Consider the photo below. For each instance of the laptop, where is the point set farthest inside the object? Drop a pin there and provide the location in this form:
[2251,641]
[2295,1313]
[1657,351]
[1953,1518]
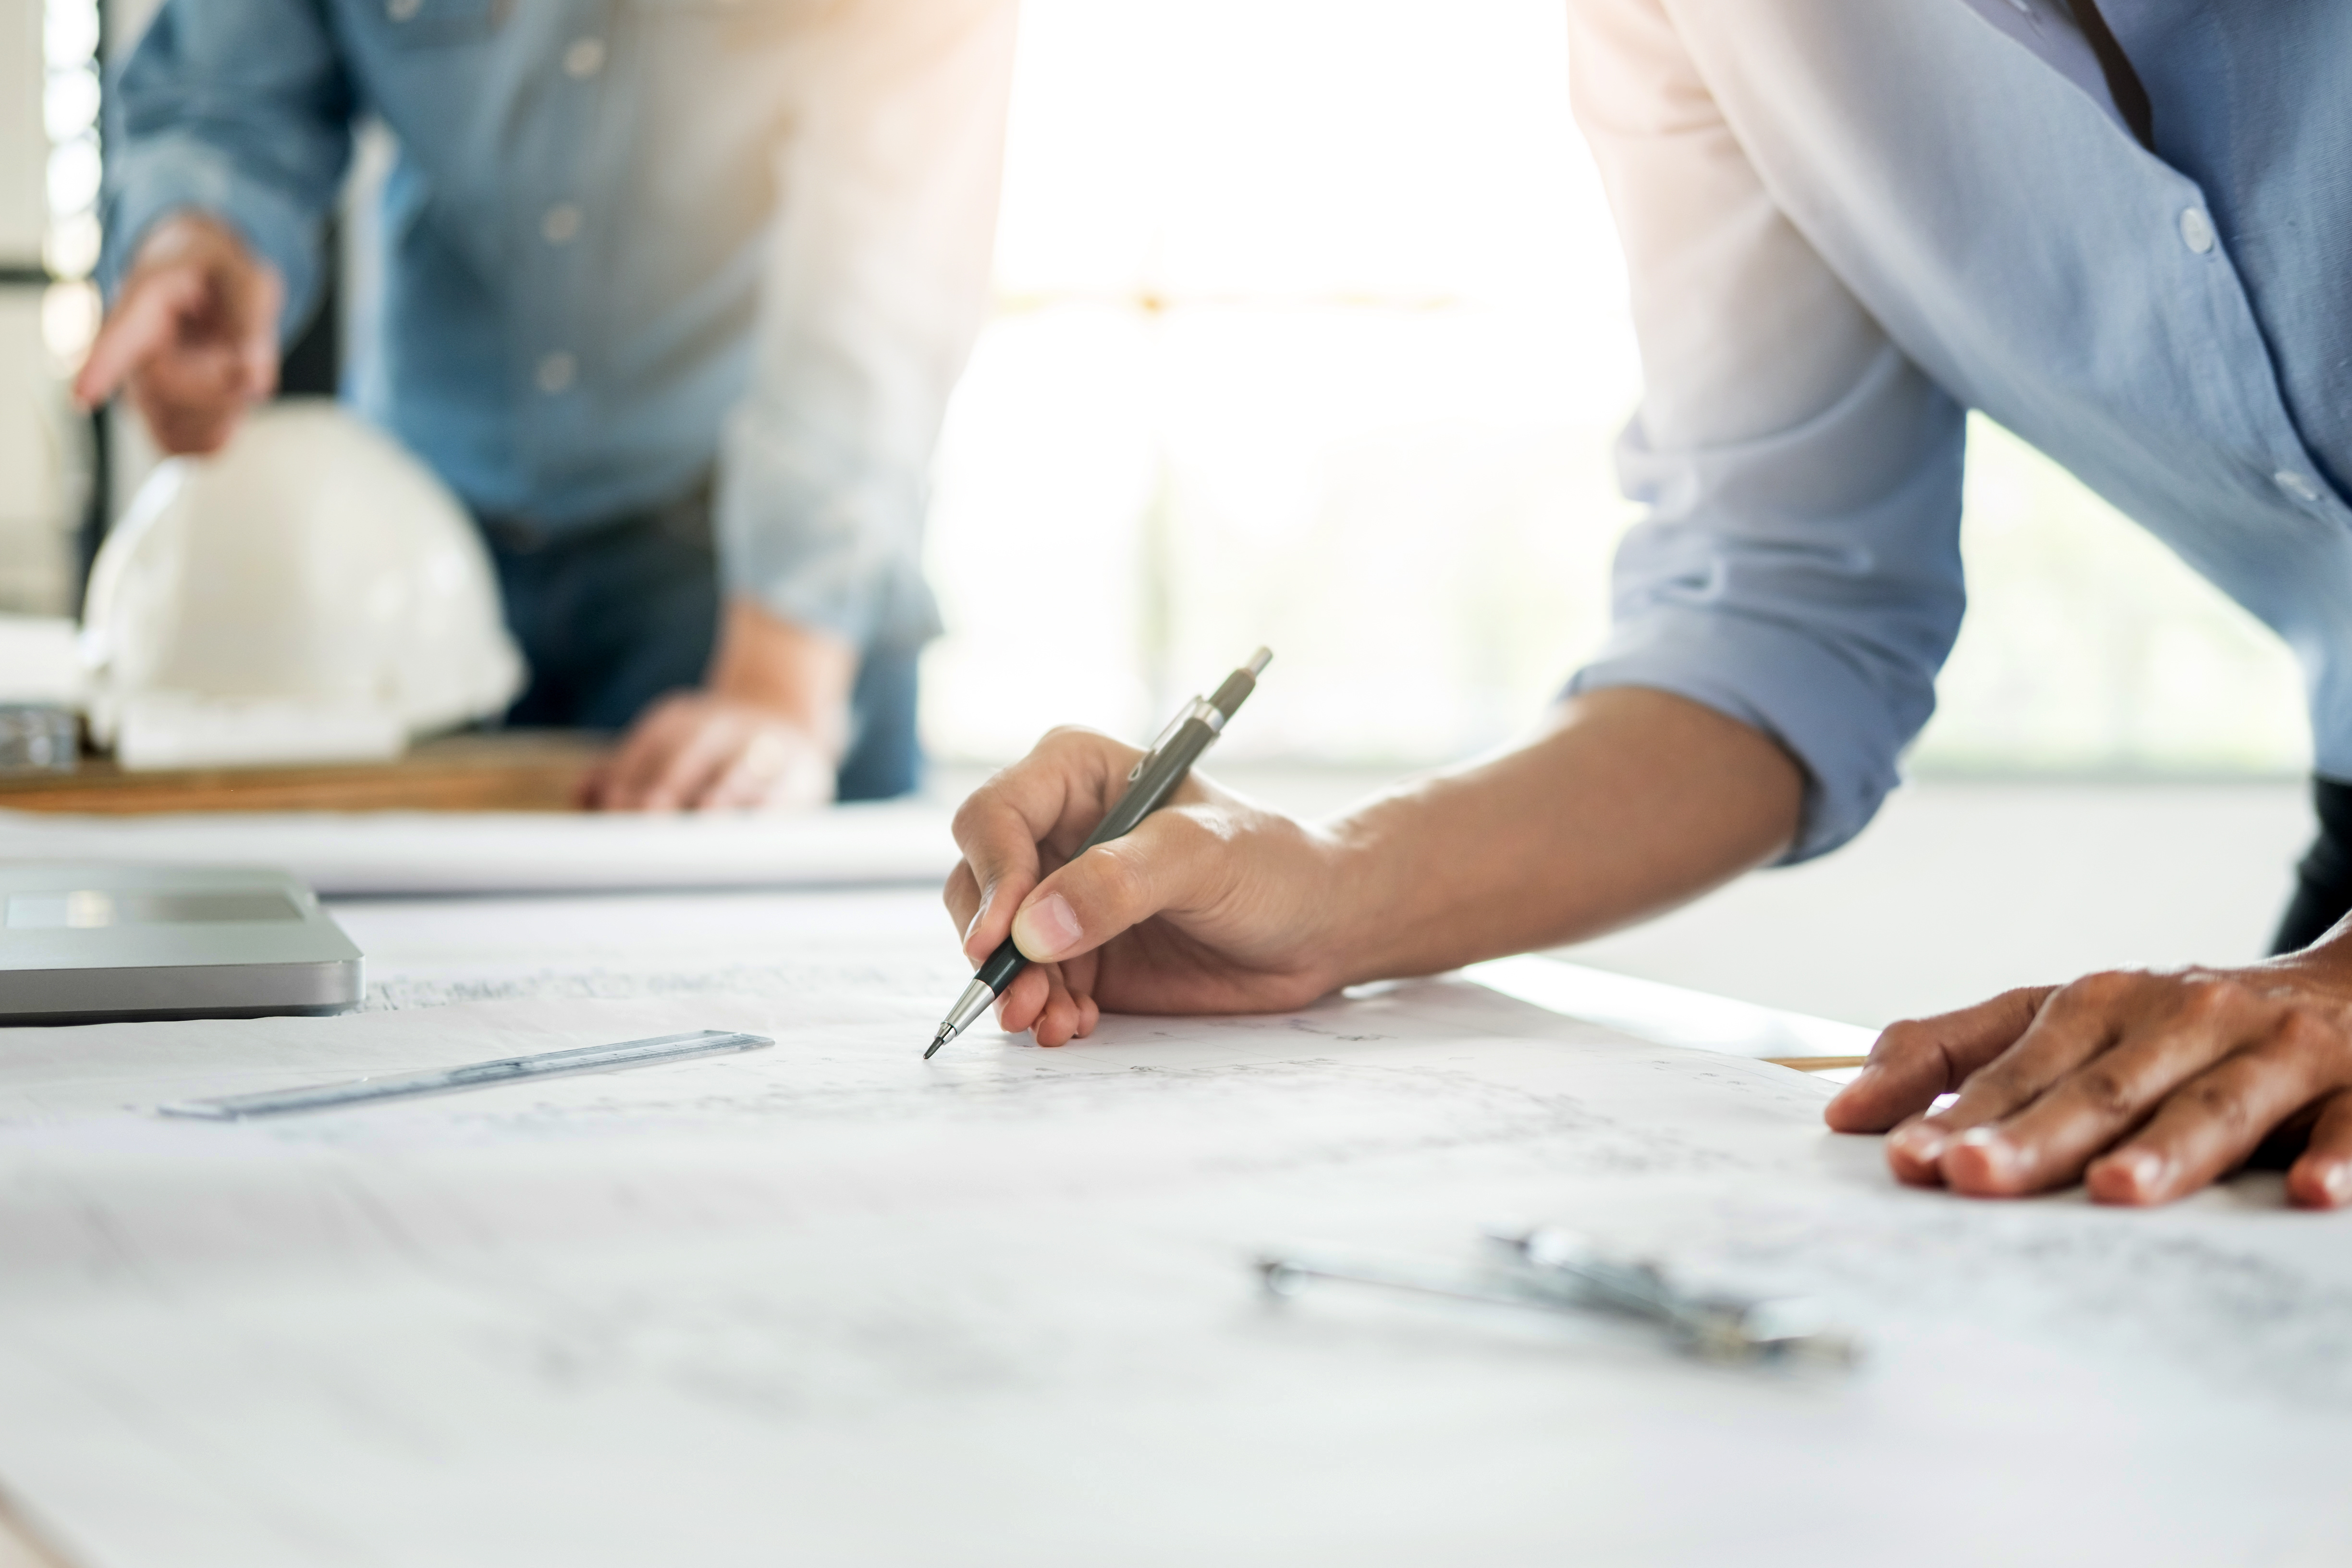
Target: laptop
[94,943]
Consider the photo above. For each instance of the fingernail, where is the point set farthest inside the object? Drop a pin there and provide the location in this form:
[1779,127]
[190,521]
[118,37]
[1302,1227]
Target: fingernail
[1046,928]
[1921,1142]
[979,914]
[2336,1180]
[1998,1152]
[2144,1168]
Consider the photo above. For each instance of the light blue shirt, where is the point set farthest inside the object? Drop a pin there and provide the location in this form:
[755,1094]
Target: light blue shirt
[626,238]
[1848,222]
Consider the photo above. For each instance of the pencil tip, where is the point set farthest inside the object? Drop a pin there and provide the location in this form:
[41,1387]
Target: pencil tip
[937,1041]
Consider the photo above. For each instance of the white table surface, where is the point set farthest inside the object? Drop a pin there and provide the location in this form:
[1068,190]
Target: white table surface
[2048,1382]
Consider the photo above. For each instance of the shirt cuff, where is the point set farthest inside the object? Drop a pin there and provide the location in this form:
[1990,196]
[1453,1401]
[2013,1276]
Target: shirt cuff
[823,542]
[1779,679]
[157,176]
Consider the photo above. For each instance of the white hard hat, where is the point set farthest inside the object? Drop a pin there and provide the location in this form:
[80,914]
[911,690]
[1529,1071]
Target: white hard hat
[310,593]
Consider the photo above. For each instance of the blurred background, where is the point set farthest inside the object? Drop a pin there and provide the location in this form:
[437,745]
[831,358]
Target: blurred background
[1309,331]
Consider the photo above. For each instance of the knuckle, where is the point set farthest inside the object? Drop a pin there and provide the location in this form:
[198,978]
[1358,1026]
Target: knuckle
[2303,1030]
[2104,1088]
[975,816]
[1122,877]
[1903,1038]
[2023,1005]
[2103,989]
[2205,997]
[2218,1102]
[1998,1083]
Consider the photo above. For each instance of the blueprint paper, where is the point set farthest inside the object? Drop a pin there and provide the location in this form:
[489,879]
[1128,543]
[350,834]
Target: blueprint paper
[828,1304]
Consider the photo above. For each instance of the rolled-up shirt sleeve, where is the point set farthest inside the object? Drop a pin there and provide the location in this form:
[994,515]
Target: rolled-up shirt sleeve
[240,110]
[877,281]
[1798,566]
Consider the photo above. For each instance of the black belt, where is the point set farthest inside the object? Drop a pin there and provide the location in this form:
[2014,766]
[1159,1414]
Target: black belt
[684,519]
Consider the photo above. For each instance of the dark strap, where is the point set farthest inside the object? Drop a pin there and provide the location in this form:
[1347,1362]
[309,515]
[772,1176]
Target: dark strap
[2323,882]
[2123,82]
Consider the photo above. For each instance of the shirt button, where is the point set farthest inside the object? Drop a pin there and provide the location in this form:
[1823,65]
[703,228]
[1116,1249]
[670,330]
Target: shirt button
[561,225]
[403,10]
[583,59]
[2195,230]
[2299,486]
[555,372]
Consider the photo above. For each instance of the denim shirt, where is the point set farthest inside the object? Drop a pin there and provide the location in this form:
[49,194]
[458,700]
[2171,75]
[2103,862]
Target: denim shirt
[1849,222]
[626,238]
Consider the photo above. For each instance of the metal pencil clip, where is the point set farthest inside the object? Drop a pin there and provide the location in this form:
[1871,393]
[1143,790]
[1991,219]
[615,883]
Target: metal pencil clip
[1555,1270]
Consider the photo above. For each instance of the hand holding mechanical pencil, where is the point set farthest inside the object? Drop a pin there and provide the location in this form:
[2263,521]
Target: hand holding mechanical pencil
[1217,904]
[1043,925]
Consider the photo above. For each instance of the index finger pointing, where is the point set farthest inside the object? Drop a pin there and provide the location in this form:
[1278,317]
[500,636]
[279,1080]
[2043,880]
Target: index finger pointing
[143,323]
[262,296]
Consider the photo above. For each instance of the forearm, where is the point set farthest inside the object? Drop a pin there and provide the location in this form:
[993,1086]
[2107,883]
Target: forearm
[877,283]
[194,233]
[1631,801]
[240,110]
[2324,968]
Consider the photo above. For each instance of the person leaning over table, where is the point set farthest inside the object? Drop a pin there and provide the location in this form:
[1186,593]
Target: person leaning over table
[1847,224]
[655,271]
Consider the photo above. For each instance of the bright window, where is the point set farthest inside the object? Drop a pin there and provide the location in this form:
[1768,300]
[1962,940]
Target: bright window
[1311,332]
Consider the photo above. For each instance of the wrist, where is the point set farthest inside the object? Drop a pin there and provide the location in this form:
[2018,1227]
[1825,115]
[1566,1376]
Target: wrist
[1368,928]
[797,674]
[2324,967]
[825,724]
[192,233]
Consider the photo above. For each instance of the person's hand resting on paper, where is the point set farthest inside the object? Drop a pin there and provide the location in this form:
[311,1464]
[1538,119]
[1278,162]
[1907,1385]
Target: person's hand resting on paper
[193,335]
[766,732]
[1633,801]
[2143,1084]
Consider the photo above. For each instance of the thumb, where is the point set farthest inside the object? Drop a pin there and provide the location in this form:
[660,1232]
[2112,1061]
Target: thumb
[1173,862]
[1917,1060]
